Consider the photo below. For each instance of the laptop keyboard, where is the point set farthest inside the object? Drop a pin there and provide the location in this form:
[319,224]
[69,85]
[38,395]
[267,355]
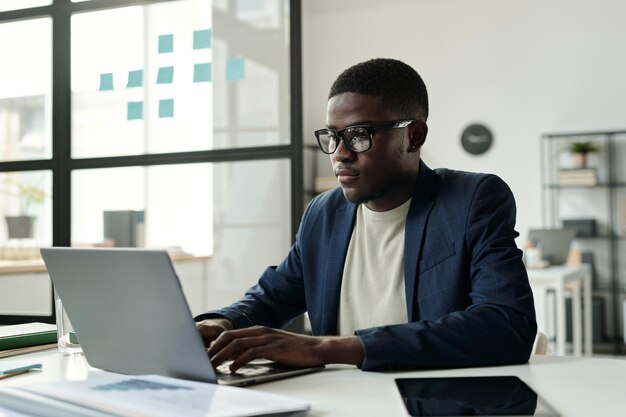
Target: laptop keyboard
[246,370]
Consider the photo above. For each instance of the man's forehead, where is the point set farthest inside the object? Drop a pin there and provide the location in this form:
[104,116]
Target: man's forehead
[351,100]
[353,108]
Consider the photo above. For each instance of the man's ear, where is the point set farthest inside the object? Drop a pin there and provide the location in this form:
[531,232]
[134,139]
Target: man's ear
[417,135]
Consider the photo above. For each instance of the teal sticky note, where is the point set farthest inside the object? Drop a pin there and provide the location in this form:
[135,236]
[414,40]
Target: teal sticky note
[166,44]
[201,39]
[135,78]
[165,75]
[166,107]
[235,69]
[134,110]
[202,73]
[106,81]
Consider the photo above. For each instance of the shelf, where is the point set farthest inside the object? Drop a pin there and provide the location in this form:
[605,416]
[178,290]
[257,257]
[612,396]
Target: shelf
[575,135]
[599,185]
[608,290]
[561,186]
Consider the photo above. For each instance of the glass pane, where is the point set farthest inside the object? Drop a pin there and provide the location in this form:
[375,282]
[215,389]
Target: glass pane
[141,88]
[173,73]
[251,73]
[26,214]
[22,4]
[221,232]
[25,90]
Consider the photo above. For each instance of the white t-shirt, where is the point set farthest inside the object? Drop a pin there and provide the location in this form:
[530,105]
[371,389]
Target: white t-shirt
[372,288]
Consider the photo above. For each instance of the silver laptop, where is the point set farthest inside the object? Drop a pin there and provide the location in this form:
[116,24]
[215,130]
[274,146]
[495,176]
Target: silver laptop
[554,243]
[131,316]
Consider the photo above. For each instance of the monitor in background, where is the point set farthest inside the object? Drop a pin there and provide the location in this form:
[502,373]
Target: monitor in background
[554,243]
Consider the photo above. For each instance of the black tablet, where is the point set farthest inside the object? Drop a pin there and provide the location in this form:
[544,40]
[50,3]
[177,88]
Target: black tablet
[471,396]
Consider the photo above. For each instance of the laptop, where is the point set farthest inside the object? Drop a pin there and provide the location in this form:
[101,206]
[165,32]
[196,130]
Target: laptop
[554,243]
[131,316]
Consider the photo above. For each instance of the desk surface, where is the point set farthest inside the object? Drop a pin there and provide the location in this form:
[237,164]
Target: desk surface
[576,387]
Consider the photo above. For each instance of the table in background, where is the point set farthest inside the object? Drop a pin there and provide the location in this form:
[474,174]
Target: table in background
[575,387]
[568,278]
[25,287]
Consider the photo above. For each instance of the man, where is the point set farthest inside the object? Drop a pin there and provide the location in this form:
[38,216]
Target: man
[399,267]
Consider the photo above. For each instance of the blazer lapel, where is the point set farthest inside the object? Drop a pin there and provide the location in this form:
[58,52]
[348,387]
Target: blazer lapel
[421,206]
[341,233]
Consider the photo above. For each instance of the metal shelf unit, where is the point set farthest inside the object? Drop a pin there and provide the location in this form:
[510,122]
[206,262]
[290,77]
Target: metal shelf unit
[605,202]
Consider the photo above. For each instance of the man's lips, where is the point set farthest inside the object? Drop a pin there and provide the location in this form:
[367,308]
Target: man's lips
[346,175]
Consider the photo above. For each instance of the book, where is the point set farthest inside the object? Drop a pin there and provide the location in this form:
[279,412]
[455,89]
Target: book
[585,176]
[146,396]
[29,334]
[26,349]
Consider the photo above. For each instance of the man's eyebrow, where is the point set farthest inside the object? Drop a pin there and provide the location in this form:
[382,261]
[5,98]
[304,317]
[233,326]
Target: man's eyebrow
[360,123]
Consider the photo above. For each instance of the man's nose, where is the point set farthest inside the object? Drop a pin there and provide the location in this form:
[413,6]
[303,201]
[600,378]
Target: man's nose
[343,153]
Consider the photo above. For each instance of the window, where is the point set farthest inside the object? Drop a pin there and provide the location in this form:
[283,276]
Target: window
[26,90]
[171,126]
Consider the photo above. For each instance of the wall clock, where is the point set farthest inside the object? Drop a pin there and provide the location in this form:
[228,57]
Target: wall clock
[476,139]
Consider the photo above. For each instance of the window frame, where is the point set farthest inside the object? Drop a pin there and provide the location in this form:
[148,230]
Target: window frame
[61,164]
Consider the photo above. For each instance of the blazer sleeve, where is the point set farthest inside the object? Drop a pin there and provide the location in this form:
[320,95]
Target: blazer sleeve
[497,327]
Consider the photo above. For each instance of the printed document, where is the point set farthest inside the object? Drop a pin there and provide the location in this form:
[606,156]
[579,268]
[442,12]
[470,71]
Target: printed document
[158,396]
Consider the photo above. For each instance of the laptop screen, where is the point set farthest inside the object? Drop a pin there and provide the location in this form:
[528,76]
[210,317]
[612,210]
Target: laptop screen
[553,243]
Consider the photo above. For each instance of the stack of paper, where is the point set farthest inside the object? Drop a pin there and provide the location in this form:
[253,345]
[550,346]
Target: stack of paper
[146,396]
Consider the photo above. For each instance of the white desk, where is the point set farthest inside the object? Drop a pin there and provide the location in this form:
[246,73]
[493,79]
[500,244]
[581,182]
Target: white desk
[561,279]
[576,387]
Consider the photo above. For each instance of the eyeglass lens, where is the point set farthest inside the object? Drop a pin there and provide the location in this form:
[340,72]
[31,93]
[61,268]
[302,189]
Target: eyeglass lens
[356,139]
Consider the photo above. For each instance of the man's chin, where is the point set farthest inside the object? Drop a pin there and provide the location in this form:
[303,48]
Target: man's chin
[352,196]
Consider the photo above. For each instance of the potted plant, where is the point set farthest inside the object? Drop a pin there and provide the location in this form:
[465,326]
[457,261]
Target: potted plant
[21,226]
[579,151]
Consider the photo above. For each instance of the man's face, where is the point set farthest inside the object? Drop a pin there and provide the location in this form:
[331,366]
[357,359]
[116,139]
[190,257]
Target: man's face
[382,177]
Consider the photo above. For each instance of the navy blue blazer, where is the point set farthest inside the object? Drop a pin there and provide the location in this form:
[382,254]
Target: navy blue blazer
[467,293]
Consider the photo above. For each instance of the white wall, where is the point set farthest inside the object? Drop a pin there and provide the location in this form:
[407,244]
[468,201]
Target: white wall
[522,67]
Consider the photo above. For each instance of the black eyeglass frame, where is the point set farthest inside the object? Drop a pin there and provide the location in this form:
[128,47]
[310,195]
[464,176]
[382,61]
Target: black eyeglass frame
[370,129]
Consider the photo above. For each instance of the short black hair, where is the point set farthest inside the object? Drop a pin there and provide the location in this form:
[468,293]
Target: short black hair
[399,85]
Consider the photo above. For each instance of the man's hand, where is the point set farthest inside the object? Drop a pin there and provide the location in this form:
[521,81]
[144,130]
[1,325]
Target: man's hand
[243,345]
[210,329]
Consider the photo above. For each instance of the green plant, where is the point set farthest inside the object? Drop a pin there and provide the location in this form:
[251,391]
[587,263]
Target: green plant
[28,194]
[583,147]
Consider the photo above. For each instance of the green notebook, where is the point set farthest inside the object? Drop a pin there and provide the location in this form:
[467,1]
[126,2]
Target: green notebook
[29,334]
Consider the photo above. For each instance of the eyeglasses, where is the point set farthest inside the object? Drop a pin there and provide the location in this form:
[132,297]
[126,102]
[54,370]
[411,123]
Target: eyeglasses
[356,138]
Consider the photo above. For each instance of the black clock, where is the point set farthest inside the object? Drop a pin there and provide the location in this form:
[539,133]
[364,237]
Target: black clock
[476,139]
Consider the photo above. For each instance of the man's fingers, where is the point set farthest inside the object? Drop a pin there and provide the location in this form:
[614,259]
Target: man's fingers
[232,350]
[209,334]
[210,329]
[230,336]
[247,356]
